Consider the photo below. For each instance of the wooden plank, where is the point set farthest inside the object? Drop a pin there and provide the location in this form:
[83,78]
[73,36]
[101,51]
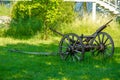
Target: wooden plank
[33,53]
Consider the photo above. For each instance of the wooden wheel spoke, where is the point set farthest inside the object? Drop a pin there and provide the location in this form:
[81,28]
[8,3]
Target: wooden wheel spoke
[107,52]
[73,58]
[66,43]
[96,42]
[77,57]
[77,51]
[68,38]
[72,37]
[106,40]
[109,48]
[108,44]
[99,38]
[67,55]
[75,42]
[98,53]
[103,38]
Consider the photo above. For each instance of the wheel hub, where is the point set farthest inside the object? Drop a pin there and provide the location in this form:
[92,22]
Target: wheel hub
[71,49]
[102,47]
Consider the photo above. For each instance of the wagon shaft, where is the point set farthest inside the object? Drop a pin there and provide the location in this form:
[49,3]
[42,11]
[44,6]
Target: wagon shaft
[101,28]
[56,32]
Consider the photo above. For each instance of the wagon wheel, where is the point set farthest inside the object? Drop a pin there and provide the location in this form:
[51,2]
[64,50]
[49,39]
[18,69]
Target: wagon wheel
[103,45]
[71,47]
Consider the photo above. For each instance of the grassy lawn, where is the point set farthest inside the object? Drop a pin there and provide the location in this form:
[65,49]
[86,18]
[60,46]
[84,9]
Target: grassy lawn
[19,66]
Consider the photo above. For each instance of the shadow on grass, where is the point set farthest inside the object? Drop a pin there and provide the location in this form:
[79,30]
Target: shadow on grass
[16,66]
[50,47]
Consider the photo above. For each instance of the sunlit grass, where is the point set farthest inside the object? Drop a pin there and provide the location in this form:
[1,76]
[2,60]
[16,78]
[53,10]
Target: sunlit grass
[19,66]
[4,10]
[87,26]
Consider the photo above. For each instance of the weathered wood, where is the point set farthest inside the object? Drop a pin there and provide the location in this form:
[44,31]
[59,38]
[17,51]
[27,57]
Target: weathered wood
[33,53]
[56,31]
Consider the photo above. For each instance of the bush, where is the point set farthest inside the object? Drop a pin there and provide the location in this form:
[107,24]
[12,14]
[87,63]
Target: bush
[45,12]
[24,29]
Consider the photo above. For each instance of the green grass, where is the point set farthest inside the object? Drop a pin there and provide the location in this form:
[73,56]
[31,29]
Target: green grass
[19,66]
[4,10]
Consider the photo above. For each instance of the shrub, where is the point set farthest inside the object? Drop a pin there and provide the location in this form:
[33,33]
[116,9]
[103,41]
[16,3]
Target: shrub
[46,12]
[24,29]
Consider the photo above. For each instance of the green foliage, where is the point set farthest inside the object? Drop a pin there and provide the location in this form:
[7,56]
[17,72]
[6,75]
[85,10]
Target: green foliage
[48,12]
[24,29]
